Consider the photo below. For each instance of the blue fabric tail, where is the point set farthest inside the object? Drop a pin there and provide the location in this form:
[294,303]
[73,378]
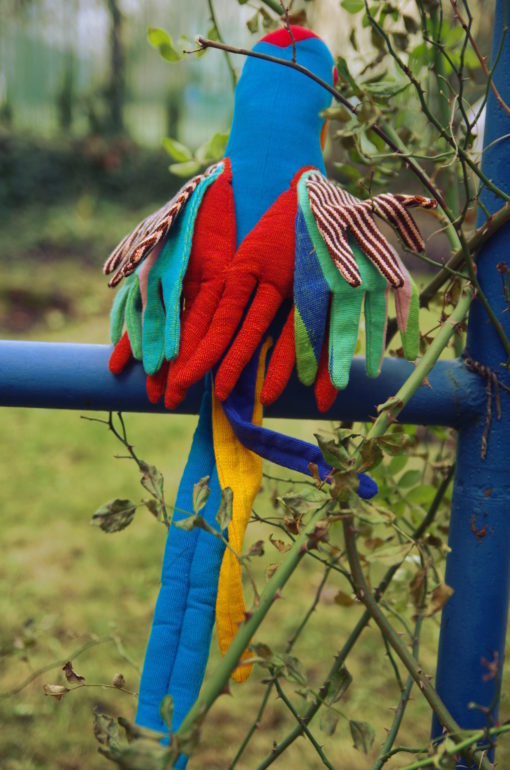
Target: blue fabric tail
[178,646]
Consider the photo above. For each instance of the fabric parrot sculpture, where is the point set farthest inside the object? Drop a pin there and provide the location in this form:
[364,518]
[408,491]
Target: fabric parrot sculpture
[262,235]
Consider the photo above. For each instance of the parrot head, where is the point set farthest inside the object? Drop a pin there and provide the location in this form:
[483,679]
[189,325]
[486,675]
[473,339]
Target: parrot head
[277,122]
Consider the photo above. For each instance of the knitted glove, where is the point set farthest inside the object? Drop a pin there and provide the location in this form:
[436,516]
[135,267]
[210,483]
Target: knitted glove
[263,266]
[357,264]
[150,301]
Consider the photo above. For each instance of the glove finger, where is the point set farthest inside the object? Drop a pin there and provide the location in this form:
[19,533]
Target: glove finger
[223,325]
[343,334]
[262,311]
[393,208]
[325,391]
[143,273]
[155,383]
[410,332]
[121,355]
[174,393]
[196,318]
[376,318]
[311,299]
[281,363]
[153,341]
[117,313]
[375,246]
[134,318]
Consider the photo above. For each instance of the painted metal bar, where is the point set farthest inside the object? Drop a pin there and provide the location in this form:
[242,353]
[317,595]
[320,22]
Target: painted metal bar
[70,376]
[474,621]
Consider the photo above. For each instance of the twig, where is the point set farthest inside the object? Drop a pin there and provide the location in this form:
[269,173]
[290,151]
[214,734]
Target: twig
[255,725]
[304,729]
[409,162]
[481,58]
[245,633]
[385,752]
[463,154]
[275,5]
[286,9]
[357,630]
[293,639]
[56,664]
[423,682]
[461,746]
[393,406]
[477,240]
[233,73]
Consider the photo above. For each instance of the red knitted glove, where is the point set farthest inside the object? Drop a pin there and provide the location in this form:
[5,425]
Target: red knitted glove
[264,264]
[281,364]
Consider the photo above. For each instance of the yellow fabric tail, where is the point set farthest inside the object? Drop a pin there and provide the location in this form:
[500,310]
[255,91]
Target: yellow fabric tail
[241,470]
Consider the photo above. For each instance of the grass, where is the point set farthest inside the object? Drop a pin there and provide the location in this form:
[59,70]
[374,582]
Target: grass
[66,584]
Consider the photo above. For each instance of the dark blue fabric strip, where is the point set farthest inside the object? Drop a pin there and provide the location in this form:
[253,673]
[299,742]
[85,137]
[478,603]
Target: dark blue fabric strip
[287,451]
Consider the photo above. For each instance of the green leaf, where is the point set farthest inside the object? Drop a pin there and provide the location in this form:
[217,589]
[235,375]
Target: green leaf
[201,492]
[400,40]
[213,149]
[348,173]
[338,685]
[106,729]
[187,524]
[253,23]
[166,710]
[161,40]
[352,6]
[411,24]
[212,33]
[157,509]
[337,112]
[371,454]
[224,515]
[334,454]
[293,670]
[169,52]
[345,75]
[363,735]
[189,168]
[440,596]
[328,721]
[152,480]
[423,494]
[115,515]
[388,555]
[157,36]
[176,150]
[397,464]
[392,444]
[409,479]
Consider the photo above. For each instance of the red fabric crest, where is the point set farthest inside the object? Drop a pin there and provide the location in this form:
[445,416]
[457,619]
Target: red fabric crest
[282,39]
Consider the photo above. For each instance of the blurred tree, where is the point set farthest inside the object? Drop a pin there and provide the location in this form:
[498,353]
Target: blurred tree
[65,97]
[115,90]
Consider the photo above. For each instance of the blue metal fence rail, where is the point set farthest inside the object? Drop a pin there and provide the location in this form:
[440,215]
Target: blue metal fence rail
[473,626]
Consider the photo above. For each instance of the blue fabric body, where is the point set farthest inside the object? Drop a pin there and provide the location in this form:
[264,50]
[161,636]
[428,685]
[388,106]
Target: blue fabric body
[276,126]
[275,132]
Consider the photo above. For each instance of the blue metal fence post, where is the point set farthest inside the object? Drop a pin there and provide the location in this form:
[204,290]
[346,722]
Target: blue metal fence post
[474,621]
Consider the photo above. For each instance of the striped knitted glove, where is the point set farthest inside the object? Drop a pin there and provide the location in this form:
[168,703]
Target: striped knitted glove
[358,264]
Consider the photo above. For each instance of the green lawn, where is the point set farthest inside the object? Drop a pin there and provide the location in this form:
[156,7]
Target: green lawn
[65,584]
